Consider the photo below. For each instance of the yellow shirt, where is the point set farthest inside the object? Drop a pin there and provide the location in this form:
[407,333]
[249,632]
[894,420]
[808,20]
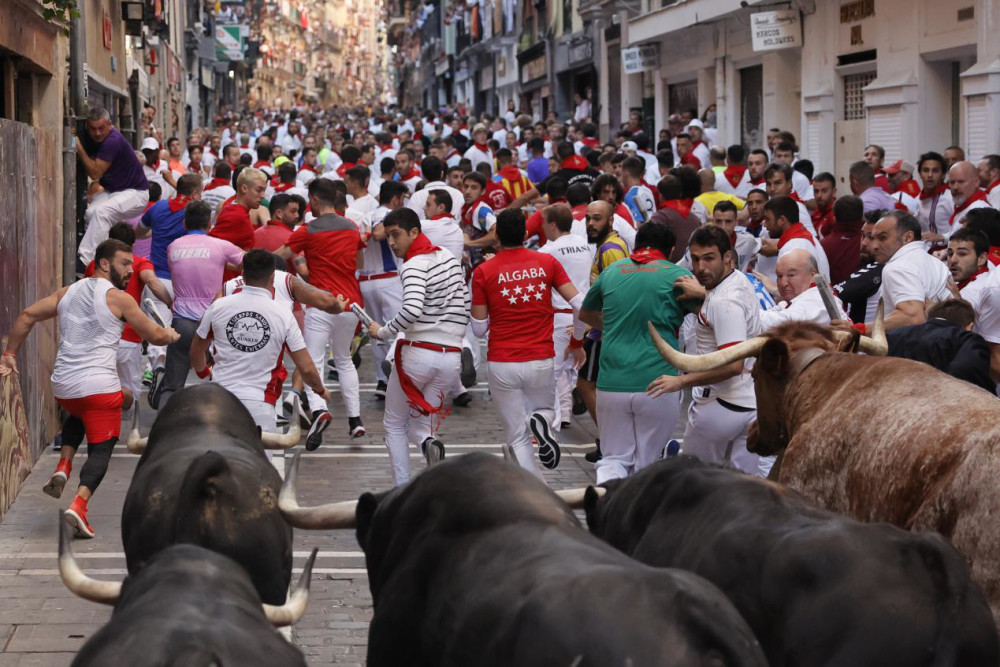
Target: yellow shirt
[710,199]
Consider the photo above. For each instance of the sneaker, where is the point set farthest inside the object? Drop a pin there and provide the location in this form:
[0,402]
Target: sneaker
[433,450]
[54,487]
[579,406]
[321,420]
[355,427]
[332,375]
[468,373]
[565,425]
[57,442]
[76,517]
[380,391]
[155,387]
[462,400]
[548,447]
[147,378]
[305,417]
[673,448]
[594,456]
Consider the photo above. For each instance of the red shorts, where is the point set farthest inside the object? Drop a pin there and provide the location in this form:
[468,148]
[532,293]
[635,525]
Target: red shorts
[101,414]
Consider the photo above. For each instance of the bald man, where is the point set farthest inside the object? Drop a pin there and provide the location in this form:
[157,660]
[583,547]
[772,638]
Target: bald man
[963,181]
[800,298]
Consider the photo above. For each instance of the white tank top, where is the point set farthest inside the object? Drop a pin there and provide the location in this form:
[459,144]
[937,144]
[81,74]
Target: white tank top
[88,346]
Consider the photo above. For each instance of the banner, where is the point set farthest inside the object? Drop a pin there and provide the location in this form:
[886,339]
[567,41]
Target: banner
[229,42]
[636,59]
[776,30]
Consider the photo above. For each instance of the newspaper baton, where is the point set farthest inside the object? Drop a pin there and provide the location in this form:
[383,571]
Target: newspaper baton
[825,293]
[365,318]
[154,313]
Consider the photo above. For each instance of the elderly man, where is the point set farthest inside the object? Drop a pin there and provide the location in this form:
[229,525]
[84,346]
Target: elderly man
[963,181]
[863,185]
[800,298]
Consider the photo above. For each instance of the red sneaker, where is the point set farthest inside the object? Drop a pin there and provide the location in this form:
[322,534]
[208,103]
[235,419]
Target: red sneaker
[76,517]
[54,487]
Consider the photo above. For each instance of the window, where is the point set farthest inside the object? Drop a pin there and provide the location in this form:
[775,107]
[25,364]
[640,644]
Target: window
[854,96]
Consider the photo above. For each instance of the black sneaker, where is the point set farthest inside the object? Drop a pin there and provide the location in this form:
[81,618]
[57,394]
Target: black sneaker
[462,400]
[380,391]
[565,425]
[468,373]
[356,428]
[155,387]
[548,447]
[579,406]
[594,456]
[321,420]
[433,450]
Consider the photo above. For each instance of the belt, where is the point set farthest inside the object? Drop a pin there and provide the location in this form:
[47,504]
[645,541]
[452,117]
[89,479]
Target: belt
[568,311]
[429,346]
[375,276]
[733,408]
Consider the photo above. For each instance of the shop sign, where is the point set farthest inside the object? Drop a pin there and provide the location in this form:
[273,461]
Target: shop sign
[780,29]
[533,69]
[636,59]
[229,42]
[581,52]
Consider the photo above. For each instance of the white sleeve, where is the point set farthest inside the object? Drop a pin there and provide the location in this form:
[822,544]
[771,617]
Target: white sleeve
[988,312]
[205,326]
[901,282]
[293,337]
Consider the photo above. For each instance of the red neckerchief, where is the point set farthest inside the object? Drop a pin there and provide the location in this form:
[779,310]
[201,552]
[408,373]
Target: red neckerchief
[283,187]
[450,154]
[734,173]
[177,203]
[979,195]
[420,246]
[796,231]
[418,135]
[483,147]
[757,181]
[754,226]
[646,255]
[938,191]
[412,173]
[385,147]
[194,167]
[910,187]
[983,269]
[261,163]
[691,161]
[994,255]
[245,147]
[216,183]
[510,172]
[732,239]
[682,206]
[592,142]
[575,162]
[657,198]
[441,216]
[308,167]
[823,220]
[467,210]
[695,145]
[342,169]
[155,165]
[992,185]
[213,153]
[795,195]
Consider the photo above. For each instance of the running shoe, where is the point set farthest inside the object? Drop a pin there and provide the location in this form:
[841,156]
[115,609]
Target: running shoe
[565,425]
[595,455]
[321,421]
[548,447]
[355,427]
[673,448]
[468,374]
[76,517]
[147,377]
[155,387]
[380,391]
[462,400]
[432,449]
[54,487]
[579,406]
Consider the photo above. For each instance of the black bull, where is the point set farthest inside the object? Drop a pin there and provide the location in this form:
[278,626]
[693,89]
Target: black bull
[475,562]
[204,479]
[817,588]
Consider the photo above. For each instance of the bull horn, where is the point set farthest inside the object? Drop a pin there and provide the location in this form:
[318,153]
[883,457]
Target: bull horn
[574,497]
[691,363]
[135,444]
[290,612]
[876,344]
[288,439]
[322,517]
[105,592]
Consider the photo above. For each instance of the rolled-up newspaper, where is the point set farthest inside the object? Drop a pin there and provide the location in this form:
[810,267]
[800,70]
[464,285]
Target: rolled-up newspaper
[154,313]
[365,318]
[825,293]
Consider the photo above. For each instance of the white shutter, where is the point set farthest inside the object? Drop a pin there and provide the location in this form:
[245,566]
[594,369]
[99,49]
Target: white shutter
[885,129]
[976,127]
[812,149]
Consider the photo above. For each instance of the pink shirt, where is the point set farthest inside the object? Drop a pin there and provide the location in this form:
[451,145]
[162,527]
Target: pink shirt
[197,262]
[142,246]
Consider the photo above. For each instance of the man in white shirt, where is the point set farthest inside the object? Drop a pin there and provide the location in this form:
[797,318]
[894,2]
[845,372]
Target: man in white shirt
[744,245]
[735,178]
[989,178]
[440,226]
[936,204]
[963,181]
[406,172]
[800,298]
[575,254]
[307,171]
[359,200]
[479,152]
[433,169]
[784,153]
[786,233]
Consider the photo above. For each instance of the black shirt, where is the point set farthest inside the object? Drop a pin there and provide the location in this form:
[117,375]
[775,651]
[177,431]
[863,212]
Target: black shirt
[572,177]
[858,289]
[945,346]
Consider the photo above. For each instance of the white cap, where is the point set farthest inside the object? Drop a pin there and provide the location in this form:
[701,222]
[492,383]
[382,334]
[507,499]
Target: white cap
[696,122]
[630,146]
[149,144]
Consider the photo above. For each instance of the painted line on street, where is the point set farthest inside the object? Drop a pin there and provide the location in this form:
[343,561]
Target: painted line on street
[100,555]
[121,572]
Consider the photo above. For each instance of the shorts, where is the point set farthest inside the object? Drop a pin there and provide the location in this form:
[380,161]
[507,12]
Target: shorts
[593,362]
[101,414]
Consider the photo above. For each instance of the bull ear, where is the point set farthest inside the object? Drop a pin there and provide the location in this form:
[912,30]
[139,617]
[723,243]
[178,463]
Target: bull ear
[773,358]
[367,504]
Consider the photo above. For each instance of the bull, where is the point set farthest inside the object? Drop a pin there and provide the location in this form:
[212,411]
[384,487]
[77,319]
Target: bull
[476,562]
[204,479]
[817,588]
[876,438]
[186,606]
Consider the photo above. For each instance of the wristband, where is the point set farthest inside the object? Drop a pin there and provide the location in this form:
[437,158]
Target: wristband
[205,372]
[575,343]
[860,327]
[9,354]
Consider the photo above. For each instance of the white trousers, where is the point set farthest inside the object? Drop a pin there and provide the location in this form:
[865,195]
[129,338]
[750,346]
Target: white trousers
[263,416]
[634,430]
[434,373]
[520,388]
[103,214]
[158,353]
[383,300]
[718,435]
[129,361]
[562,332]
[338,331]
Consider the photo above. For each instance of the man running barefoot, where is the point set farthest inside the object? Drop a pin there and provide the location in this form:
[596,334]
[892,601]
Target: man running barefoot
[92,314]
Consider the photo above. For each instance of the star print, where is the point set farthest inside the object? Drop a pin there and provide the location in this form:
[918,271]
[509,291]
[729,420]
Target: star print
[518,290]
[530,287]
[513,300]
[538,296]
[541,287]
[525,298]
[505,291]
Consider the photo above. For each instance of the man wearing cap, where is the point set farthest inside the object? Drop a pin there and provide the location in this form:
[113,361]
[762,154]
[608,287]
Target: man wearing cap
[698,148]
[905,190]
[479,152]
[155,169]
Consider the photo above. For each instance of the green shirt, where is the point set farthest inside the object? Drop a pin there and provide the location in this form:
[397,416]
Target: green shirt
[629,295]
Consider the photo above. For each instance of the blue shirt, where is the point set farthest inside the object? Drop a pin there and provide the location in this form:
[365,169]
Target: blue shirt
[538,170]
[167,226]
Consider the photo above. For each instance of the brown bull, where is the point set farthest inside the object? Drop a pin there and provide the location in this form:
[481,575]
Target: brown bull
[876,438]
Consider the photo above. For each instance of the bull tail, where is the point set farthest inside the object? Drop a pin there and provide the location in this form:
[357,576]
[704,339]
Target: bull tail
[203,483]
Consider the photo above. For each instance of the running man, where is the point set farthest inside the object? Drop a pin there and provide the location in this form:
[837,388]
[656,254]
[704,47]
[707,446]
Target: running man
[92,314]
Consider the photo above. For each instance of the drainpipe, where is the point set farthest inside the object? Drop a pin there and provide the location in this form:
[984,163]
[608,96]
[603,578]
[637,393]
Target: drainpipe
[74,184]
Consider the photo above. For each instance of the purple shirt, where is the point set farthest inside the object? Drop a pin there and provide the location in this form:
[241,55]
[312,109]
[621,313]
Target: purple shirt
[197,262]
[125,171]
[877,199]
[141,246]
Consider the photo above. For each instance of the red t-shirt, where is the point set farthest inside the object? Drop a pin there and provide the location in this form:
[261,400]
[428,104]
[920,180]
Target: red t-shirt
[233,225]
[133,289]
[330,244]
[533,227]
[516,288]
[272,236]
[497,196]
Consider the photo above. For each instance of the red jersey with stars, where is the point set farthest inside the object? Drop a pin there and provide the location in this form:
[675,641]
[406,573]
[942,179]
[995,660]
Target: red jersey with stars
[516,288]
[330,244]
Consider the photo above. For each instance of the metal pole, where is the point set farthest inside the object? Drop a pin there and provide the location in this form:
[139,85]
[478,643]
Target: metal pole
[74,190]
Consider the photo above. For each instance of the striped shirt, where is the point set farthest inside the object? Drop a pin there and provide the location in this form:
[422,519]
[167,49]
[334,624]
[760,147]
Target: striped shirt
[434,301]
